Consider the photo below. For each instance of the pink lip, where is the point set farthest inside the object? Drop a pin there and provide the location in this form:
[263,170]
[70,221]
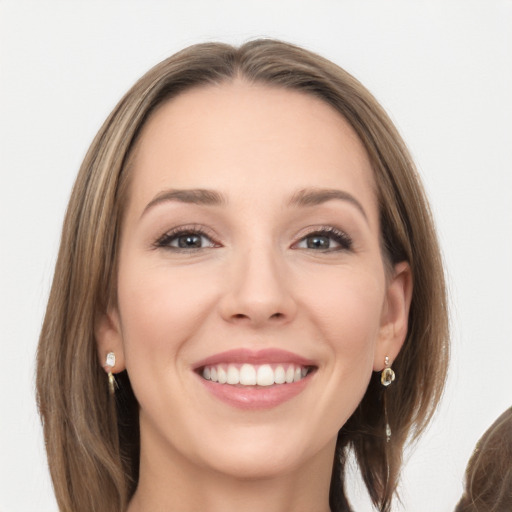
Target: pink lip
[254,397]
[269,355]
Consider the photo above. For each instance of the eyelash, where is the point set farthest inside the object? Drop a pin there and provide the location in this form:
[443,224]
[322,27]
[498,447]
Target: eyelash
[164,242]
[340,237]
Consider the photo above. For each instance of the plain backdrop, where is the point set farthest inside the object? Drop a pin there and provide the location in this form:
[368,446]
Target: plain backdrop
[443,71]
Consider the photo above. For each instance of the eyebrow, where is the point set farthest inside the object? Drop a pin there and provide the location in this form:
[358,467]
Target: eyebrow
[190,196]
[317,196]
[302,198]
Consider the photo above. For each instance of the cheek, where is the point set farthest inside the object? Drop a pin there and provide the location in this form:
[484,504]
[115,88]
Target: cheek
[346,319]
[161,308]
[349,311]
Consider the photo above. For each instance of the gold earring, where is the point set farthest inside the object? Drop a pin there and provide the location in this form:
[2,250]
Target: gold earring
[388,375]
[110,362]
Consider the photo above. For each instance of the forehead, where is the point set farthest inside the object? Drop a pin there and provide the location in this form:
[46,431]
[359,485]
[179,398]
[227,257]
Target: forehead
[260,137]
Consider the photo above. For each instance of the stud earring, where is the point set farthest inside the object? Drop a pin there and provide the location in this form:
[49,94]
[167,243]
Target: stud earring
[388,375]
[110,362]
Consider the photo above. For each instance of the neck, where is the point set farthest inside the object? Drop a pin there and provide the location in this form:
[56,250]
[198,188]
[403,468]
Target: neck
[175,484]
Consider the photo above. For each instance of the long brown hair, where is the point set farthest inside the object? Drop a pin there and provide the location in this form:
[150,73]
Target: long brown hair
[92,440]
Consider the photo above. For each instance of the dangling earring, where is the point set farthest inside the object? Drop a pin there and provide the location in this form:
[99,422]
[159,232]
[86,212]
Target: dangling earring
[388,375]
[110,362]
[386,378]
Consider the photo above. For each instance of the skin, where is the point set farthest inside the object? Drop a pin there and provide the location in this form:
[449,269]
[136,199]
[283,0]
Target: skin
[254,283]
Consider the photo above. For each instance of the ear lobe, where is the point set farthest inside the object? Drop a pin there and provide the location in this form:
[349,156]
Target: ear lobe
[108,334]
[395,315]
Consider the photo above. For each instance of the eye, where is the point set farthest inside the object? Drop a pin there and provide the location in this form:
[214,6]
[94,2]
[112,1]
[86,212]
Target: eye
[325,240]
[189,241]
[185,239]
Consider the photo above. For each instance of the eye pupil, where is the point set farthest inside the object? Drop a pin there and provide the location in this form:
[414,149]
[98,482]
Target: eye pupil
[189,241]
[318,242]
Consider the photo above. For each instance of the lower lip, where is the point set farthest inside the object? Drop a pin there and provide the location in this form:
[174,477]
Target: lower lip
[253,398]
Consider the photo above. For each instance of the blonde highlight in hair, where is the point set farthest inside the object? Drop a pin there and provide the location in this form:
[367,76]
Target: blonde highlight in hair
[92,440]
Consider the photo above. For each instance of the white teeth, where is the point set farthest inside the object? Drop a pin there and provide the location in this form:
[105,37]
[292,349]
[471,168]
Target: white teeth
[233,375]
[252,375]
[248,375]
[222,376]
[265,375]
[279,375]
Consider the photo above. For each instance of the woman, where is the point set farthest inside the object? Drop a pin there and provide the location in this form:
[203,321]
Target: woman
[247,261]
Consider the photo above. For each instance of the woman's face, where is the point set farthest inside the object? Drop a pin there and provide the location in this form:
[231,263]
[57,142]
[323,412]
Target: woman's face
[250,251]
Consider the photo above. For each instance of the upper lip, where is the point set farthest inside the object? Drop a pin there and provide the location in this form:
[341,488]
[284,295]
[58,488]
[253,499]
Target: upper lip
[244,355]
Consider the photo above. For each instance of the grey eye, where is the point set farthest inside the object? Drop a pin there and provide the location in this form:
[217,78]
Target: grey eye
[188,241]
[328,239]
[318,242]
[191,240]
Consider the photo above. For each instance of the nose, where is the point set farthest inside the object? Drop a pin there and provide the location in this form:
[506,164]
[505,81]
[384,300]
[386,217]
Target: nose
[258,291]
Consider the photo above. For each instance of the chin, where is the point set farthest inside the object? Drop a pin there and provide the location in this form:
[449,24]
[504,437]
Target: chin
[262,453]
[256,466]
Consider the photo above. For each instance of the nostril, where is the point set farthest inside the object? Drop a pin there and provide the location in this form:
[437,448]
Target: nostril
[242,316]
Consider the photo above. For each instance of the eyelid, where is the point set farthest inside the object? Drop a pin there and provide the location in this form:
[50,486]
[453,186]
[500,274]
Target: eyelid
[339,235]
[163,241]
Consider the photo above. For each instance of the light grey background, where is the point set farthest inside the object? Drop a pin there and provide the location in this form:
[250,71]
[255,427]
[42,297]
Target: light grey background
[441,68]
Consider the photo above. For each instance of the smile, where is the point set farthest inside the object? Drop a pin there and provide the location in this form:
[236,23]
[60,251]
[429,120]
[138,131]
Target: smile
[255,380]
[255,375]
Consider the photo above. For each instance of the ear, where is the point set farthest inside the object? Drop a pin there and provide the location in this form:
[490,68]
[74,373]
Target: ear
[109,338]
[395,314]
